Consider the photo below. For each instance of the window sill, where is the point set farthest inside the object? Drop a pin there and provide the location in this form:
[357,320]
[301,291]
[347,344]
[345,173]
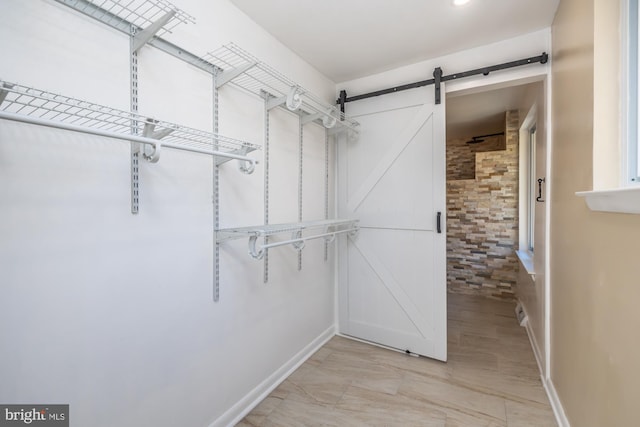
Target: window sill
[620,200]
[526,259]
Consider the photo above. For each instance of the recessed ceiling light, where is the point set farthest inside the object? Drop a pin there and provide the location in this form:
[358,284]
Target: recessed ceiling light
[460,2]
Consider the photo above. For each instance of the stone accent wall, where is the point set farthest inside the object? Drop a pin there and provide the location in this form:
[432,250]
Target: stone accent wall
[461,157]
[482,214]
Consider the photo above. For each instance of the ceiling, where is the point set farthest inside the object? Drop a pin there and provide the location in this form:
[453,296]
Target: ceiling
[347,39]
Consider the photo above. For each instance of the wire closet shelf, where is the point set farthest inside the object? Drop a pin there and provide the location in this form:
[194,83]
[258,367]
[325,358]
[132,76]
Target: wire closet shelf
[35,106]
[247,72]
[140,13]
[326,229]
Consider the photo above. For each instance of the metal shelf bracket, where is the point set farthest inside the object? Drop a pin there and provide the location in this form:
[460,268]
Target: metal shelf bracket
[4,92]
[308,118]
[141,38]
[245,167]
[226,76]
[275,102]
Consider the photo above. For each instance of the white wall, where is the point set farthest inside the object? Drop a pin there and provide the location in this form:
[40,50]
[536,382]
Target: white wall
[112,312]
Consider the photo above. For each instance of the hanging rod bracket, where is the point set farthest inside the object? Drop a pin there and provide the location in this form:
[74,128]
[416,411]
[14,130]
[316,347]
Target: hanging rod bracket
[253,251]
[141,38]
[153,155]
[245,166]
[297,241]
[226,76]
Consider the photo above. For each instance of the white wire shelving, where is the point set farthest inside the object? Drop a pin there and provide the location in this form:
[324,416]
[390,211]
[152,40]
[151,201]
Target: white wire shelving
[247,72]
[300,233]
[145,21]
[141,13]
[35,106]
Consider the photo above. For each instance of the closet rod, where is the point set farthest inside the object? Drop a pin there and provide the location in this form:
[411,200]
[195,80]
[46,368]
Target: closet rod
[258,254]
[542,59]
[132,138]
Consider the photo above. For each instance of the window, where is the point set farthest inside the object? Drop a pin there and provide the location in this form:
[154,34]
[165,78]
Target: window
[527,189]
[626,197]
[531,187]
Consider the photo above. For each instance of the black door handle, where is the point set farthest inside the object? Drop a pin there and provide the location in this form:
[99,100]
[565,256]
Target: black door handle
[539,198]
[438,227]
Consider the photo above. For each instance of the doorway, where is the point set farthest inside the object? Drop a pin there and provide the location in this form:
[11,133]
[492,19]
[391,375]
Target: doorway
[496,207]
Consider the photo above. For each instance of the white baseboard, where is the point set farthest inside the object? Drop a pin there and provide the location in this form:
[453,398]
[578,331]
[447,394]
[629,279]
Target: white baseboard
[549,388]
[534,345]
[558,410]
[238,411]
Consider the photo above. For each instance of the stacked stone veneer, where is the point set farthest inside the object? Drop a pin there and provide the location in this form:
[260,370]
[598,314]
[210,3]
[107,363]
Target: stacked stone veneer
[482,214]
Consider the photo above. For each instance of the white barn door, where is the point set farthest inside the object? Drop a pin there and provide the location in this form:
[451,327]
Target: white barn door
[392,287]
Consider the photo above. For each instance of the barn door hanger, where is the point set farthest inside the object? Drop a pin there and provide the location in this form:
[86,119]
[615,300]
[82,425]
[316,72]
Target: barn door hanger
[437,78]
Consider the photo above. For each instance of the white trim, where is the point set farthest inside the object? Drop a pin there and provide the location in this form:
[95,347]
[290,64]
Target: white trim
[548,123]
[534,343]
[620,200]
[525,202]
[526,260]
[511,78]
[556,405]
[625,96]
[554,400]
[238,411]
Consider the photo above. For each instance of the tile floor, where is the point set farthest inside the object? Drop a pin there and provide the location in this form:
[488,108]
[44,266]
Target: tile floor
[490,379]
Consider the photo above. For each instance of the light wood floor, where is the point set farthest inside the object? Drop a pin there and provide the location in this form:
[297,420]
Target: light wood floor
[490,379]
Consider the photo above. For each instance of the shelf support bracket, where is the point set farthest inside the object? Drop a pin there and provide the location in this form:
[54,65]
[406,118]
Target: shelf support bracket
[308,118]
[150,132]
[143,37]
[226,76]
[246,167]
[4,92]
[341,127]
[275,102]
